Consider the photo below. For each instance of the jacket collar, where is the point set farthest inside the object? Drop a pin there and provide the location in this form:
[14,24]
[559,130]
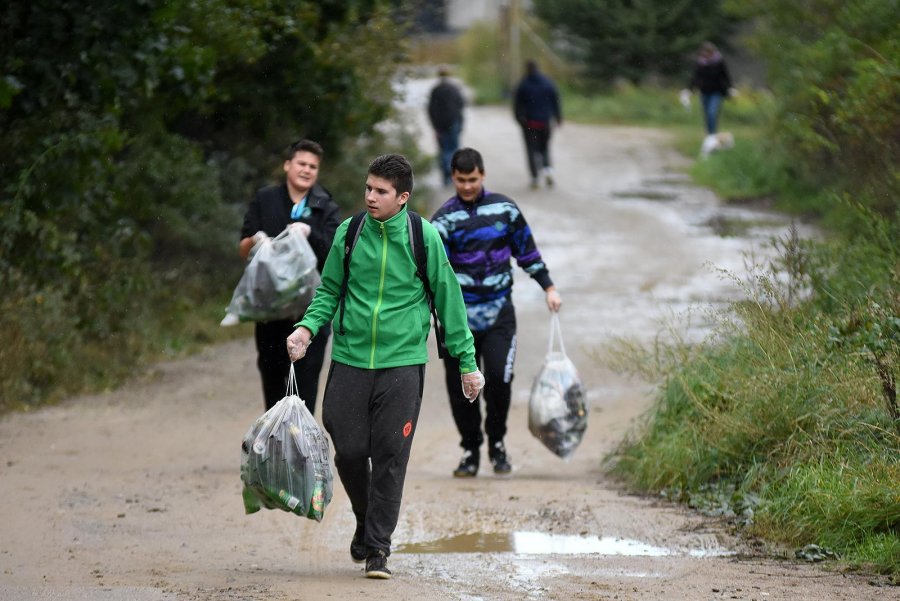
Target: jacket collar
[316,198]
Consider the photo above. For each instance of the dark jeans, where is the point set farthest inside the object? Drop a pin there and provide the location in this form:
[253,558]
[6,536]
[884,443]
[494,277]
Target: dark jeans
[448,143]
[712,103]
[537,146]
[371,415]
[274,364]
[495,352]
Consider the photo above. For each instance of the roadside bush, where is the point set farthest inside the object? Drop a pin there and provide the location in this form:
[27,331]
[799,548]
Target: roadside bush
[790,403]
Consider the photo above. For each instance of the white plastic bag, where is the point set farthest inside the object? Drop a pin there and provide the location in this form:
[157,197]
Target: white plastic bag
[278,282]
[285,460]
[557,409]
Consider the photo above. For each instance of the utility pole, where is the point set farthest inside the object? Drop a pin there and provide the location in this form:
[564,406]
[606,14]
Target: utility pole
[515,34]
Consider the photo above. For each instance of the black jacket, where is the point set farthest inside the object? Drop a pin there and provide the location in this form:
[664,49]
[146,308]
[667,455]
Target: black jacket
[711,77]
[445,106]
[270,212]
[537,100]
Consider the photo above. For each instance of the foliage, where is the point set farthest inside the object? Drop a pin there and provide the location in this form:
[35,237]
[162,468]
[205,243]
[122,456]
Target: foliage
[788,403]
[835,67]
[134,134]
[618,39]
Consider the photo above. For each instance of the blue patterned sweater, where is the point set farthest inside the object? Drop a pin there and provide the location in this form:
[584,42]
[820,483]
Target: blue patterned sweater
[480,237]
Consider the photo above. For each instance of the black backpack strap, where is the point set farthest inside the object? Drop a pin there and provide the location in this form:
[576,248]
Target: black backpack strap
[353,231]
[417,242]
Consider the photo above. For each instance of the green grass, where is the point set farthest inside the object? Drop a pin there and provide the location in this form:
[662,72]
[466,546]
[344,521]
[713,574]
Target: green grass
[786,405]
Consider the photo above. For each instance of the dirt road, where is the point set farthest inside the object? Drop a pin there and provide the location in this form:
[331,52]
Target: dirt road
[135,494]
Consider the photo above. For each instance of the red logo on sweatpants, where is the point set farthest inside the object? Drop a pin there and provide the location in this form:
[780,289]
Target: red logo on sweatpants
[407,429]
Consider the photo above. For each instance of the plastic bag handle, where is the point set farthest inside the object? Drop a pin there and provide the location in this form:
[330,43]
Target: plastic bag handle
[292,388]
[555,330]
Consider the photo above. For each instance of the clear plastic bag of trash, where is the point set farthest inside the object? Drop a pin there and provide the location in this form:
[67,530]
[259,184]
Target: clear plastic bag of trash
[557,408]
[285,460]
[278,283]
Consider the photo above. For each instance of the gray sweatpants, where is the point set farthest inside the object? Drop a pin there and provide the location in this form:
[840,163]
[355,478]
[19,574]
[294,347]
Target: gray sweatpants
[371,414]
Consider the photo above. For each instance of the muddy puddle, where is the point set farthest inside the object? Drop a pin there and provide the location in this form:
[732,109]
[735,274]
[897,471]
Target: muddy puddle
[540,543]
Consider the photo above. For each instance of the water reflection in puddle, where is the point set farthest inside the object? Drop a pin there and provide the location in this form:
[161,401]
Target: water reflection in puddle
[538,543]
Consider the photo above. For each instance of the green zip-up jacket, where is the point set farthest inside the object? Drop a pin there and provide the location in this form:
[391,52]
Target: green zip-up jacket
[386,315]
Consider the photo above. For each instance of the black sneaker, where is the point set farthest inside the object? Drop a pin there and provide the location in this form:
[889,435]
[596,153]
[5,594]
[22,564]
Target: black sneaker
[499,459]
[468,465]
[376,565]
[358,549]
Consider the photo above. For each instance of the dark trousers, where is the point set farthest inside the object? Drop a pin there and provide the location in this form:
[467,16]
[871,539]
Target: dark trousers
[495,353]
[371,415]
[537,147]
[274,364]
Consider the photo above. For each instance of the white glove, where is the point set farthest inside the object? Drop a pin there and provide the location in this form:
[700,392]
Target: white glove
[472,383]
[259,237]
[302,227]
[297,343]
[684,97]
[733,93]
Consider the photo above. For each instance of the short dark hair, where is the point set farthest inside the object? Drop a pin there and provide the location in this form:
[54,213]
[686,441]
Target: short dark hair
[304,145]
[396,169]
[467,160]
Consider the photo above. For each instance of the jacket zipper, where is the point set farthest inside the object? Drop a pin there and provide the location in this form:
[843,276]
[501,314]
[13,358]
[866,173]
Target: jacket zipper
[383,235]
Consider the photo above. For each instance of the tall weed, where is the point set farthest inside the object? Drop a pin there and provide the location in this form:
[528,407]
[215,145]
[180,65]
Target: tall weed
[786,402]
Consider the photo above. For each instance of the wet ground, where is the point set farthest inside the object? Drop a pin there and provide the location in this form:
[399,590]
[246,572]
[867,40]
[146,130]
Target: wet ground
[135,494]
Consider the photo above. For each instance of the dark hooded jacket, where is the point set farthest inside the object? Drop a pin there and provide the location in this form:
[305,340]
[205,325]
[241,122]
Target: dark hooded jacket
[537,100]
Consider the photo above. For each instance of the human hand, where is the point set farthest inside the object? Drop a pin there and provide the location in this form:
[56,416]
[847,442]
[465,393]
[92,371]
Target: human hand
[684,97]
[472,383]
[259,237]
[733,93]
[554,300]
[297,343]
[303,228]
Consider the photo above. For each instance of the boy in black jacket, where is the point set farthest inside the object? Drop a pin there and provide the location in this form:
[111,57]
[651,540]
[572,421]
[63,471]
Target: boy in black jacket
[302,203]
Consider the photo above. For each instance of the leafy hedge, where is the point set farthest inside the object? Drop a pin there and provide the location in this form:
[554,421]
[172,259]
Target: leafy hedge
[134,132]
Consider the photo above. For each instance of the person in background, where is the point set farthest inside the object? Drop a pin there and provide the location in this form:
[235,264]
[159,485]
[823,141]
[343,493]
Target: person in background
[481,231]
[536,108]
[445,111]
[377,376]
[302,203]
[712,79]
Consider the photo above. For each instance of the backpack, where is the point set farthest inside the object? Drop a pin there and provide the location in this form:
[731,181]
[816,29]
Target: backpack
[417,245]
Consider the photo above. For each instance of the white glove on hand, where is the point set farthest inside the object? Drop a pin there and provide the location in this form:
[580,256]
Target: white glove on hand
[302,227]
[684,97]
[297,343]
[472,383]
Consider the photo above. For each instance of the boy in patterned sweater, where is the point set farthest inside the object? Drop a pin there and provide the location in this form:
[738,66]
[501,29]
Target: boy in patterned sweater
[481,231]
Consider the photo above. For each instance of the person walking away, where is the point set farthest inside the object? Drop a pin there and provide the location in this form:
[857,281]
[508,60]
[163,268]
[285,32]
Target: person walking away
[712,79]
[445,111]
[536,108]
[375,383]
[303,203]
[481,231]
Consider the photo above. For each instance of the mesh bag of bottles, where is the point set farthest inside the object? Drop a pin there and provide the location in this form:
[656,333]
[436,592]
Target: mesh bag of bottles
[278,282]
[557,408]
[285,460]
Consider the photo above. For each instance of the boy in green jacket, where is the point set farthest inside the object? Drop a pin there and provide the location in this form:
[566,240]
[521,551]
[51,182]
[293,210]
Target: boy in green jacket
[377,374]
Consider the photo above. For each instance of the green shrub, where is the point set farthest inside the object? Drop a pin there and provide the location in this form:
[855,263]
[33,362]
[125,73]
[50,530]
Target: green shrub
[790,402]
